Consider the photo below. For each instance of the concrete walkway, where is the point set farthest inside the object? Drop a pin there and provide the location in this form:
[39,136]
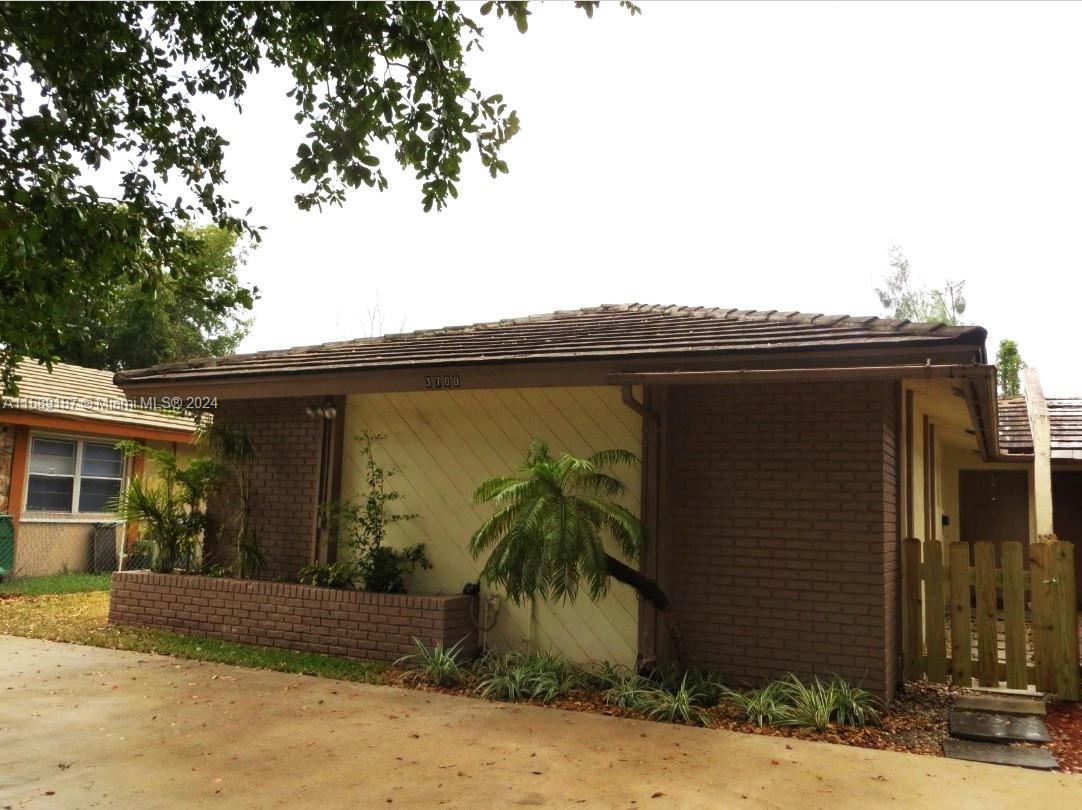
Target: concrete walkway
[85,727]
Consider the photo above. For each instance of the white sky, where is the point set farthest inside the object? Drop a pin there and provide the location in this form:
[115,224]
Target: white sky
[753,156]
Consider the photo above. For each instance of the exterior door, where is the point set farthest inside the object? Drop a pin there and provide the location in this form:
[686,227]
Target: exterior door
[1067,516]
[994,505]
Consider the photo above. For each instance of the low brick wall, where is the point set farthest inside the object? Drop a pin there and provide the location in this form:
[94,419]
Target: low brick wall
[372,626]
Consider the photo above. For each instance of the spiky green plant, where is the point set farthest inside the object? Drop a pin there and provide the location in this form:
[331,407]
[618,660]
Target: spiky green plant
[535,676]
[853,706]
[547,534]
[629,692]
[765,706]
[810,703]
[814,703]
[680,705]
[437,665]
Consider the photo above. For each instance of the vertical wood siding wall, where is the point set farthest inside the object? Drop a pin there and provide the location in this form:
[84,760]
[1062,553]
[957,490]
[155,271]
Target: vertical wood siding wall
[443,443]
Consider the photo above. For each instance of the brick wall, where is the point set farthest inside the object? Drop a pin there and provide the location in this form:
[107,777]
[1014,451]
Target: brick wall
[371,626]
[285,483]
[783,549]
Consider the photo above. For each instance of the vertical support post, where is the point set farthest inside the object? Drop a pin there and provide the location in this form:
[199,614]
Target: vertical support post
[1039,428]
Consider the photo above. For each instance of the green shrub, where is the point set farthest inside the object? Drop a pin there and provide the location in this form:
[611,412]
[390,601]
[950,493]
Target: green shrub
[436,665]
[628,692]
[532,676]
[765,706]
[334,575]
[684,704]
[809,704]
[362,526]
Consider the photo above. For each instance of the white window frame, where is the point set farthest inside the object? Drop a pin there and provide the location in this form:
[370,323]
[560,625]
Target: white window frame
[73,515]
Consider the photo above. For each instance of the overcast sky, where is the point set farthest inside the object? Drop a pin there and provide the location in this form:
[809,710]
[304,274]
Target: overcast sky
[754,156]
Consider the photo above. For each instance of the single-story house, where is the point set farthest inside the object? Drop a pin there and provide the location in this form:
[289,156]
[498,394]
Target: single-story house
[784,457]
[60,467]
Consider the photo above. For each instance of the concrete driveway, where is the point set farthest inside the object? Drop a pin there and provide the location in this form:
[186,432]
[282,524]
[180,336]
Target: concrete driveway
[86,727]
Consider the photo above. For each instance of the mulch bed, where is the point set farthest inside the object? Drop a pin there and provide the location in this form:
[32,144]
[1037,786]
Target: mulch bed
[915,722]
[1064,723]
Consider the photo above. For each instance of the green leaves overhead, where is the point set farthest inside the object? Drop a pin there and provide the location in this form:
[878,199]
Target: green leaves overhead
[547,534]
[86,86]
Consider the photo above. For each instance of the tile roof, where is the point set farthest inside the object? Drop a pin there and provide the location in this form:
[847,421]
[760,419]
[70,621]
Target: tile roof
[604,332]
[1064,420]
[84,393]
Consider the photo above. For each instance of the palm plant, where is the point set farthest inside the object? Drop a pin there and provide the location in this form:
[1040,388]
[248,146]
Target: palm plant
[547,534]
[170,507]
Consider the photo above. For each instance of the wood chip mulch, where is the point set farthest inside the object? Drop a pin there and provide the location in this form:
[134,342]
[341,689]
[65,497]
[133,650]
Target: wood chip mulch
[915,722]
[1064,723]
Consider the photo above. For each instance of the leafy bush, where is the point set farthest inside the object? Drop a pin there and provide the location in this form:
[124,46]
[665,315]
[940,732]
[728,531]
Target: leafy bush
[810,704]
[385,570]
[334,575]
[362,527]
[437,665]
[532,676]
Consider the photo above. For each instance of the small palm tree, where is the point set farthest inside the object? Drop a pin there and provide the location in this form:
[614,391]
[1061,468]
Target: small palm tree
[547,534]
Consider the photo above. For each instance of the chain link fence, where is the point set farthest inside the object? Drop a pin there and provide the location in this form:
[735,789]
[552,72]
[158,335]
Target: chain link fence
[39,548]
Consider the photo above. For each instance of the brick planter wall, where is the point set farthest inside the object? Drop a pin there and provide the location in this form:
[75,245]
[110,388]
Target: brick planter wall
[372,626]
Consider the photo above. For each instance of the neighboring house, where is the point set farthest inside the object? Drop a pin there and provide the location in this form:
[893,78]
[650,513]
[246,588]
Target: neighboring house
[785,456]
[60,467]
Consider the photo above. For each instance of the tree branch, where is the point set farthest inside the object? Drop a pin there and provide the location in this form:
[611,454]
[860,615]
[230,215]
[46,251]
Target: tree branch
[649,589]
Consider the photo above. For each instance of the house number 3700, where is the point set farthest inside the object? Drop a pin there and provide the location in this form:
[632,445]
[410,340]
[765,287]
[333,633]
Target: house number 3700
[443,381]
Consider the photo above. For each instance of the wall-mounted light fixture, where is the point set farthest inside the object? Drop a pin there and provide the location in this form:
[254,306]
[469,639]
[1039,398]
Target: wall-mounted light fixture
[324,411]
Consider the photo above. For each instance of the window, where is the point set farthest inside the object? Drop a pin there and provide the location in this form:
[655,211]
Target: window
[69,475]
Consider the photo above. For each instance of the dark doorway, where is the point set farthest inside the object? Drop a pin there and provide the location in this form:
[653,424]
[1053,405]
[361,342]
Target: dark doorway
[1067,516]
[994,505]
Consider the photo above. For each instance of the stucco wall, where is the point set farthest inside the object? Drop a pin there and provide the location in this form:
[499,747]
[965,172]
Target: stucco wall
[444,443]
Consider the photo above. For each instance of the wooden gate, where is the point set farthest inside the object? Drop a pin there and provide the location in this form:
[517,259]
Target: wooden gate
[970,619]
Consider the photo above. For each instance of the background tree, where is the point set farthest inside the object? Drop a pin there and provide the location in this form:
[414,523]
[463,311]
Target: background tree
[90,85]
[547,534]
[135,324]
[1010,365]
[908,299]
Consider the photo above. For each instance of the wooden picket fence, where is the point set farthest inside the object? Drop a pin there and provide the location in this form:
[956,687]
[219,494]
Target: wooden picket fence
[1023,623]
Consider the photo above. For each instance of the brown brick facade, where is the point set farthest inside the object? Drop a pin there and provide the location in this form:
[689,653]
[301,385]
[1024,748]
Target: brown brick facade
[285,482]
[782,510]
[355,624]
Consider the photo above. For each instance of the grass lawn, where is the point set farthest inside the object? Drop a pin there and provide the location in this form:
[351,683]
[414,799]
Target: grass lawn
[81,618]
[57,583]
